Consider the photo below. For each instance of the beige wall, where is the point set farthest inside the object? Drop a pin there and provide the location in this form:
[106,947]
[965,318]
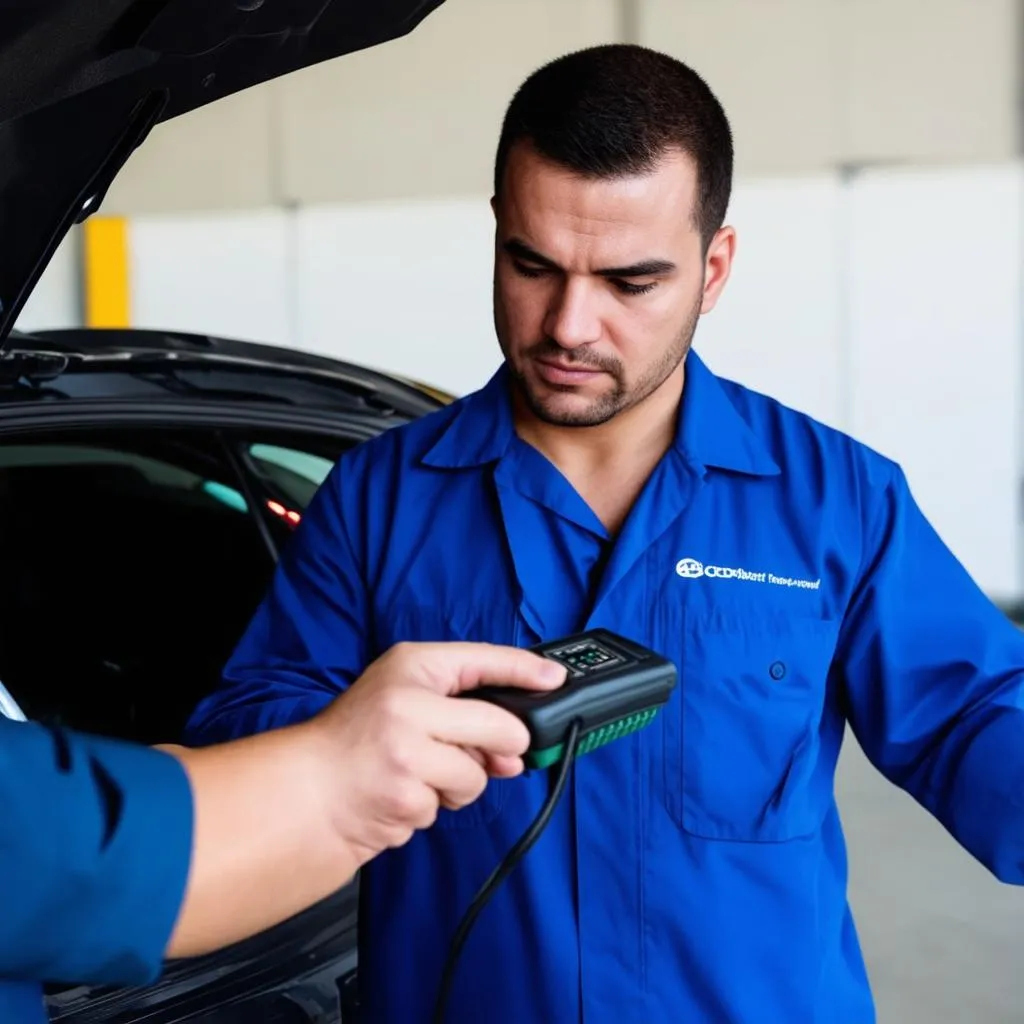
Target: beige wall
[809,84]
[812,84]
[421,116]
[416,117]
[774,66]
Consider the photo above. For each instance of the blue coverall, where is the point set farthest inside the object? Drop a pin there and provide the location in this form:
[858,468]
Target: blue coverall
[95,846]
[696,870]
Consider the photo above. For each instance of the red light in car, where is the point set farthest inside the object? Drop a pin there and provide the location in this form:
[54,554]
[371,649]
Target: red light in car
[285,513]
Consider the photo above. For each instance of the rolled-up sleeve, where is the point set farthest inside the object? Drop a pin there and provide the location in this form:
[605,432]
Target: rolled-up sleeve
[934,677]
[95,850]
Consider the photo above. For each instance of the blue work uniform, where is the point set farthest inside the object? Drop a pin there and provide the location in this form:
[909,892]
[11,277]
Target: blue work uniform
[696,870]
[95,845]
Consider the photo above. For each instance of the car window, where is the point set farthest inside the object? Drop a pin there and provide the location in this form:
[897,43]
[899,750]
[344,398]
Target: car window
[295,473]
[155,471]
[289,477]
[131,566]
[116,471]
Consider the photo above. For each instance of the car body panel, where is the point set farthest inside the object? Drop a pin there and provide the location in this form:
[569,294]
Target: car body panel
[158,366]
[300,972]
[82,85]
[267,967]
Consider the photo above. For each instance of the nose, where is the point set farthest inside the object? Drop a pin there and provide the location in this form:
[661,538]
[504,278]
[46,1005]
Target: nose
[572,318]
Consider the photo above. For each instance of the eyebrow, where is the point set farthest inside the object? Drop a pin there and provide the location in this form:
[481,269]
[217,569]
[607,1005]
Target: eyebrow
[644,268]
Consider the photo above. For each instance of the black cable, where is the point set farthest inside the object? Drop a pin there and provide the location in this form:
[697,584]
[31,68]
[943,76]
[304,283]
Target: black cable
[505,868]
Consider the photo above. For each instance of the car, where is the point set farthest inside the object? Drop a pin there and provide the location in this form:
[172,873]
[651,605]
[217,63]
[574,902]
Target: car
[150,480]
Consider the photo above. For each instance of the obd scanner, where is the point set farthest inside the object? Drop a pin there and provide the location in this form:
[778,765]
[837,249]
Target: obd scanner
[613,688]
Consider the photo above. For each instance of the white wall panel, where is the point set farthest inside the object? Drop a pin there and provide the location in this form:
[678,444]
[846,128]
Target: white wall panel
[405,287]
[227,274]
[778,325]
[55,301]
[935,328]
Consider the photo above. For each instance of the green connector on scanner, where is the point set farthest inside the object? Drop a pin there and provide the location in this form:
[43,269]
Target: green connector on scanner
[592,740]
[613,688]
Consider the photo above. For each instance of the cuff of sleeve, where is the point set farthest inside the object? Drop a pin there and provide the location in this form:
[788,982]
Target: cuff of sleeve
[984,807]
[145,864]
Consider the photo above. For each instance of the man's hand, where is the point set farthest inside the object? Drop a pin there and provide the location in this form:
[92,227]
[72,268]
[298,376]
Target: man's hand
[286,817]
[404,747]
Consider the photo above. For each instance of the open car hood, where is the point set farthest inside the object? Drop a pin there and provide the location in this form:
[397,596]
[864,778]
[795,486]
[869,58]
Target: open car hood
[83,81]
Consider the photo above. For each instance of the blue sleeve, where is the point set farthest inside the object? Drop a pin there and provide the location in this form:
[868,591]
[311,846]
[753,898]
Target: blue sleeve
[95,850]
[934,677]
[307,639]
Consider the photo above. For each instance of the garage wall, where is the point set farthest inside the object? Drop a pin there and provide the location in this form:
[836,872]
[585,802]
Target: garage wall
[809,85]
[417,117]
[878,287]
[887,304]
[56,300]
[825,83]
[934,371]
[227,273]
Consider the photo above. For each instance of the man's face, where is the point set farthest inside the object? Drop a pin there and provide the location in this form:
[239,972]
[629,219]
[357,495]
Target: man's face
[598,284]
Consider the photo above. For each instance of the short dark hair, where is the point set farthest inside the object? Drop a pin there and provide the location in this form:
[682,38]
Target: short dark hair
[615,110]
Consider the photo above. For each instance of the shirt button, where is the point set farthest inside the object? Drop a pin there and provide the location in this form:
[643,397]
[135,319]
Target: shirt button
[777,670]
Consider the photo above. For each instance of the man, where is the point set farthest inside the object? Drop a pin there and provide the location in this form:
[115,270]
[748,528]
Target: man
[112,856]
[696,871]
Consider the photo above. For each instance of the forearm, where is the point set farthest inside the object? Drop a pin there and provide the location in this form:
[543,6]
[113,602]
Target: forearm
[265,845]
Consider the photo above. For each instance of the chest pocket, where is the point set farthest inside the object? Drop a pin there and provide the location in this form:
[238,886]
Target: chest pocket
[742,734]
[410,620]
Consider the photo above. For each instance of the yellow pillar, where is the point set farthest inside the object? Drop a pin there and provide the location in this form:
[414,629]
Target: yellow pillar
[106,288]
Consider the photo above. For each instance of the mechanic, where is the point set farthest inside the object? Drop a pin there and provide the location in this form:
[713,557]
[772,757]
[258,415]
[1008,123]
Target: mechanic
[606,477]
[113,855]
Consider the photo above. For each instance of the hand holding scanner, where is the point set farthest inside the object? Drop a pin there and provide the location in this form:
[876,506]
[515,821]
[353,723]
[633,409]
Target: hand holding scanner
[614,687]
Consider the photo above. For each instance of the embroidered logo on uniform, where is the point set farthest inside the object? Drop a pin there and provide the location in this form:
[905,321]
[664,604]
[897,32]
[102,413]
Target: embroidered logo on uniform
[689,568]
[692,569]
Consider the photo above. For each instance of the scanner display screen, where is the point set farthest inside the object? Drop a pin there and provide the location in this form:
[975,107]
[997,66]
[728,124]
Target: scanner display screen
[585,656]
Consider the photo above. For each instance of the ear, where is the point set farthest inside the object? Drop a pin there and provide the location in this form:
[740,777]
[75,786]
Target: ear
[718,266]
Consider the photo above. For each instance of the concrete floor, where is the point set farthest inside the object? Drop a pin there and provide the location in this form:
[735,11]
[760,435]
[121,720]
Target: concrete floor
[943,939]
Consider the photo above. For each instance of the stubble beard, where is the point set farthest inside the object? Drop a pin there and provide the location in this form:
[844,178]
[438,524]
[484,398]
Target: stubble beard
[619,398]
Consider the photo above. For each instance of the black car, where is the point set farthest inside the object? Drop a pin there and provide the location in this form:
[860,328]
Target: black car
[150,480]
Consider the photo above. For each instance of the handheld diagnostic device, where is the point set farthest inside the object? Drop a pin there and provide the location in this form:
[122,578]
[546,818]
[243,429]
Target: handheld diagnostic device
[613,687]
